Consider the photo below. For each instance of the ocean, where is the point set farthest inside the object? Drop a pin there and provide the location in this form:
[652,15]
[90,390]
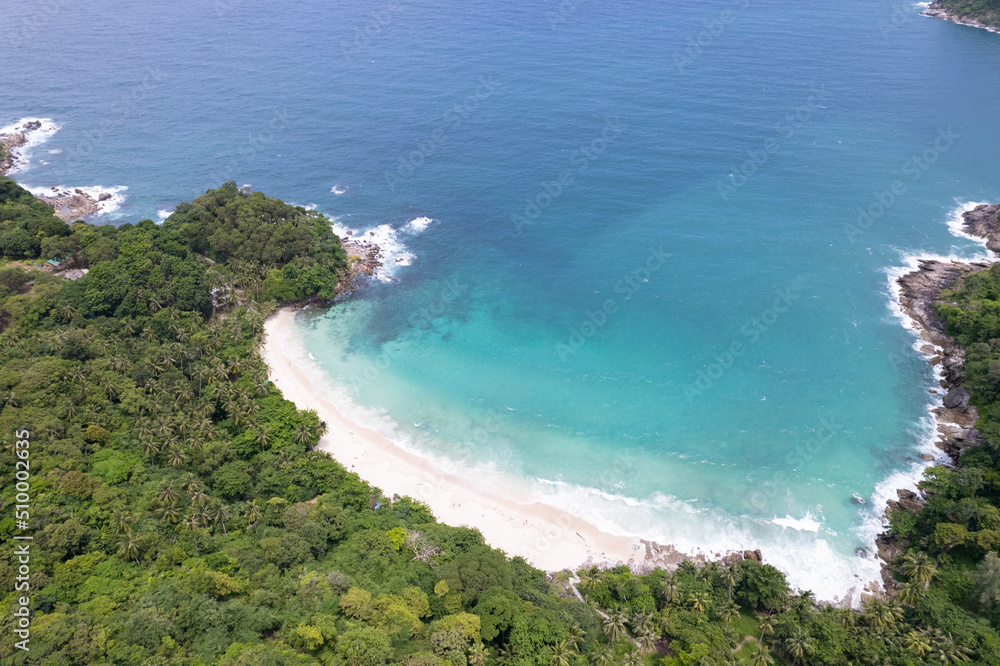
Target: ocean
[639,256]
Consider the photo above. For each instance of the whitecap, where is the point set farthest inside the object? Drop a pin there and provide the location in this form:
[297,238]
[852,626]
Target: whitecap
[806,524]
[417,225]
[163,214]
[338,190]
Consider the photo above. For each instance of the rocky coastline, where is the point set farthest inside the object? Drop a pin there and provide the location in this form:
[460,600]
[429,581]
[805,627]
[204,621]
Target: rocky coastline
[955,417]
[939,11]
[68,203]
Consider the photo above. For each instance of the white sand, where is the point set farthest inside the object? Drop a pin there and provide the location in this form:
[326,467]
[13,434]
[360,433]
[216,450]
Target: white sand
[545,536]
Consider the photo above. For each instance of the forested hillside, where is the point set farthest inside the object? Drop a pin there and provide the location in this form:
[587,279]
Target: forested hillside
[984,11]
[180,515]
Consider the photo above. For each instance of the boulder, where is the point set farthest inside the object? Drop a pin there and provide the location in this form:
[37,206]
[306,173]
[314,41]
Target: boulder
[956,397]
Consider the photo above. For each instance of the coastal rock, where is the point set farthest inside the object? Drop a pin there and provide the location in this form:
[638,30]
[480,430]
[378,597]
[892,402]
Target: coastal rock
[956,397]
[104,197]
[937,10]
[956,418]
[752,555]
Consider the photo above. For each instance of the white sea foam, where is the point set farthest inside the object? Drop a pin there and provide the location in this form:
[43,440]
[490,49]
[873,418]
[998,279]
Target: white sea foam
[20,156]
[925,434]
[94,191]
[394,252]
[956,223]
[163,214]
[338,190]
[806,524]
[417,225]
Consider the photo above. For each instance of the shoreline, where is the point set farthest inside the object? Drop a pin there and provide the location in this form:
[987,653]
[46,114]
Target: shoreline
[954,417]
[69,204]
[547,537]
[936,10]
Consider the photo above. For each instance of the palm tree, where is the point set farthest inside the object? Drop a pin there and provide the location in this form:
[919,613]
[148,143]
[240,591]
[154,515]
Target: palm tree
[121,522]
[647,641]
[320,430]
[254,514]
[176,457]
[919,567]
[151,447]
[947,651]
[561,653]
[767,623]
[799,645]
[220,514]
[727,612]
[917,642]
[199,497]
[882,615]
[614,626]
[303,434]
[263,437]
[477,654]
[576,637]
[642,621]
[128,549]
[698,602]
[761,657]
[604,657]
[10,400]
[671,591]
[731,576]
[911,593]
[633,659]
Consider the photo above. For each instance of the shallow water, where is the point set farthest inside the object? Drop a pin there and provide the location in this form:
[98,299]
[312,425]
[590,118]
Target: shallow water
[736,393]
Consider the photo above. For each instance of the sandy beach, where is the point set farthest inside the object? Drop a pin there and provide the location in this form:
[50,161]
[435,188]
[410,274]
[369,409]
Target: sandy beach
[545,536]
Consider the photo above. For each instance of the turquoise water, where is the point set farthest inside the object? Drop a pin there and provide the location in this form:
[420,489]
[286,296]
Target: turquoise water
[535,333]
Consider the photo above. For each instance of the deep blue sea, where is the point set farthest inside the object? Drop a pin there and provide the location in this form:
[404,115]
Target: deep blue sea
[645,292]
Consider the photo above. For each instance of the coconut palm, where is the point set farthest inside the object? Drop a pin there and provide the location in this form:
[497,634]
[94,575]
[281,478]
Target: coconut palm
[647,641]
[911,593]
[732,577]
[698,602]
[220,514]
[633,659]
[799,645]
[121,522]
[303,434]
[727,612]
[919,567]
[477,654]
[614,626]
[880,615]
[263,436]
[253,514]
[175,456]
[561,653]
[671,590]
[576,637]
[151,447]
[128,548]
[947,651]
[761,657]
[917,642]
[603,657]
[767,623]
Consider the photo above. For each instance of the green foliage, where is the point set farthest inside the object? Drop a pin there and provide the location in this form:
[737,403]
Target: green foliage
[289,251]
[25,222]
[984,11]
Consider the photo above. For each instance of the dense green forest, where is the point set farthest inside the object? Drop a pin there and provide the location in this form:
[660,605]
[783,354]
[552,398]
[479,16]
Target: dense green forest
[181,516]
[984,11]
